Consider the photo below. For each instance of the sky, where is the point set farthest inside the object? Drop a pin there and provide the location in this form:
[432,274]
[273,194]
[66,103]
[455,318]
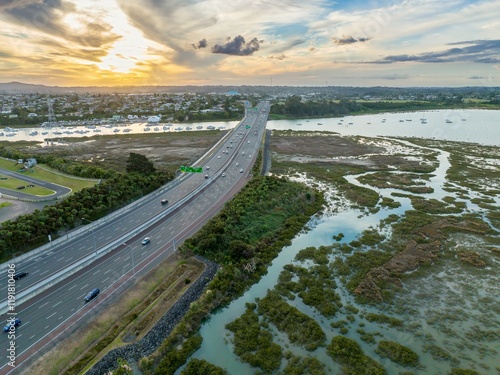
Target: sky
[259,42]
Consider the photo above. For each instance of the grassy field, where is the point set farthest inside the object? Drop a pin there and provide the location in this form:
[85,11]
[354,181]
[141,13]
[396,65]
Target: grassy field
[43,173]
[8,182]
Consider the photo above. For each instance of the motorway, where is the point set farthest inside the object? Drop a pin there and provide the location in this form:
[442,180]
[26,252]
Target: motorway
[47,316]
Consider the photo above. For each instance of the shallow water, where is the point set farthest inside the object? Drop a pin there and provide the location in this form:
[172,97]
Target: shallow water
[447,310]
[475,126]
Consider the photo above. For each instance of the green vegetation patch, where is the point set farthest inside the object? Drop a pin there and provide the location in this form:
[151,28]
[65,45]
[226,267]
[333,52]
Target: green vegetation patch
[411,182]
[253,343]
[397,353]
[46,173]
[461,371]
[315,286]
[384,319]
[300,328]
[349,354]
[201,367]
[360,263]
[303,365]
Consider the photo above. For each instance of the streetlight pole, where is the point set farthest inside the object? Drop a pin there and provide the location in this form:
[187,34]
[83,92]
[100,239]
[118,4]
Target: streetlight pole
[132,254]
[93,236]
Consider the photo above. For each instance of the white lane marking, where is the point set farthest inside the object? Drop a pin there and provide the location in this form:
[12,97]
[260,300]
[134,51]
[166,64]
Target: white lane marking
[83,287]
[57,304]
[42,305]
[107,271]
[105,279]
[72,287]
[50,316]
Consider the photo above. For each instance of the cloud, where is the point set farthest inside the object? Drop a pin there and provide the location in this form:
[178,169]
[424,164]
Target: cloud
[478,51]
[349,40]
[201,44]
[48,17]
[279,57]
[394,76]
[288,45]
[238,47]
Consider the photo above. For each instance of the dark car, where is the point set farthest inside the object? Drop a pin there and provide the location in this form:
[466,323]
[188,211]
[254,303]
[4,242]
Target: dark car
[93,294]
[20,275]
[14,323]
[164,201]
[21,187]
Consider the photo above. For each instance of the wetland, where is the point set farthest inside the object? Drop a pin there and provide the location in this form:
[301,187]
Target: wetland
[397,274]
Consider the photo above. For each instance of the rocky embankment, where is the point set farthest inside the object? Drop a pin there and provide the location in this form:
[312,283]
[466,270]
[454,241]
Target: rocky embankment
[153,339]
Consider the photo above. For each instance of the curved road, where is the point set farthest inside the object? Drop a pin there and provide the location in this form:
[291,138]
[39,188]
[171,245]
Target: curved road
[60,309]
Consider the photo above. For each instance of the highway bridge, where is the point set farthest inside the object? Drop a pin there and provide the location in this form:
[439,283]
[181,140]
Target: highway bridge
[108,254]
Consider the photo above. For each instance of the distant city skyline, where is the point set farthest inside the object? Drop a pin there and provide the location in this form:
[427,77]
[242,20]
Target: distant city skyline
[216,42]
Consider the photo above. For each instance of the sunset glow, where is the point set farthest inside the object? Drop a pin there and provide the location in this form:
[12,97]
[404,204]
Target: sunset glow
[289,42]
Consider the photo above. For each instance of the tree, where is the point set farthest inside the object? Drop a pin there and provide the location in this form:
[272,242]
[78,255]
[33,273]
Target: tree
[140,164]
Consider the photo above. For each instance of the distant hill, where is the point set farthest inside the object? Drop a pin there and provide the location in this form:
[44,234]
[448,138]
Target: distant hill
[341,91]
[24,88]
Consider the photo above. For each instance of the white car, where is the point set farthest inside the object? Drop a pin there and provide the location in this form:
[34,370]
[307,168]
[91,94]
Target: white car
[237,164]
[146,241]
[241,170]
[223,175]
[218,157]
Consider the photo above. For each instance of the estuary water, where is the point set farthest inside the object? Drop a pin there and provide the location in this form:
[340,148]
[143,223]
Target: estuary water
[451,317]
[475,126]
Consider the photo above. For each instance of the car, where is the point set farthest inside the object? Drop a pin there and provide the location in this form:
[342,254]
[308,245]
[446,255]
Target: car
[21,187]
[207,167]
[146,241]
[223,175]
[20,275]
[11,323]
[164,201]
[218,157]
[237,164]
[248,141]
[241,170]
[93,294]
[243,153]
[206,176]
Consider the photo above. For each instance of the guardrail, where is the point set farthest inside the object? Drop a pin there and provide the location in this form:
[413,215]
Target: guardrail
[90,258]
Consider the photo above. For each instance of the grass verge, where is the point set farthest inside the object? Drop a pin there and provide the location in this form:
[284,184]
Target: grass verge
[127,320]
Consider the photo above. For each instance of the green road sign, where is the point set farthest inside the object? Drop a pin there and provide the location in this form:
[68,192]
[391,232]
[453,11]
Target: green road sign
[191,169]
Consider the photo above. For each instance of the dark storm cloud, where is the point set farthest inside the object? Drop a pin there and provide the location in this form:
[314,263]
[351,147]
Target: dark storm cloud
[479,51]
[47,16]
[349,40]
[201,44]
[238,47]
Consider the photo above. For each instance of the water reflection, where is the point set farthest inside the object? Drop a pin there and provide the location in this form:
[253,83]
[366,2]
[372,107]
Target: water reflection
[447,314]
